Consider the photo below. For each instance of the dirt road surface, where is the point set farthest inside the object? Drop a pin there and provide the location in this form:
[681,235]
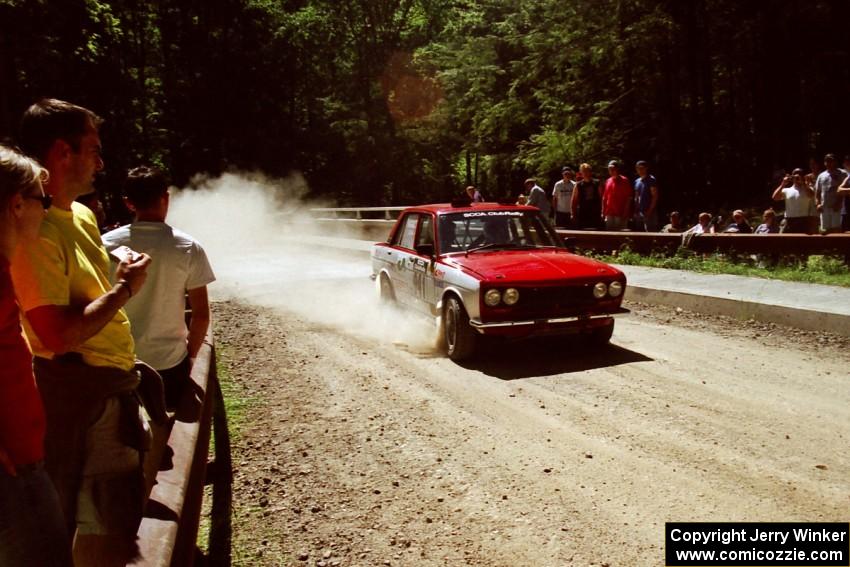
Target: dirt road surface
[359,449]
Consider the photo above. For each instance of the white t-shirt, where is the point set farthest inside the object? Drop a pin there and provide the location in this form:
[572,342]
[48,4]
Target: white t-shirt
[156,312]
[563,190]
[796,203]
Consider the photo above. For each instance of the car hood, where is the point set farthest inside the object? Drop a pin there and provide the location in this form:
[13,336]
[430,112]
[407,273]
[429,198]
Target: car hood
[530,265]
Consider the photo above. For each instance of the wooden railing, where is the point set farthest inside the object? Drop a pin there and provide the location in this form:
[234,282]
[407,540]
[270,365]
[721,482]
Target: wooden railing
[169,529]
[640,242]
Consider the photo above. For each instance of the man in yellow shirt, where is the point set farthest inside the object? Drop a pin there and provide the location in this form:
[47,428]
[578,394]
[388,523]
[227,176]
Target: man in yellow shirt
[84,352]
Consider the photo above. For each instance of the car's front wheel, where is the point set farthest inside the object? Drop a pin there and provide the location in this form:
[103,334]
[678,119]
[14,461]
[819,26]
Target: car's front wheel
[458,336]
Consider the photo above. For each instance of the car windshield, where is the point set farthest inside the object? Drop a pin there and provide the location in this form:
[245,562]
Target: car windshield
[488,230]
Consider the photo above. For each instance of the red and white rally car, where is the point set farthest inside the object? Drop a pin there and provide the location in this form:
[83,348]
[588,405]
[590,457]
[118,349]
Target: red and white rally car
[490,269]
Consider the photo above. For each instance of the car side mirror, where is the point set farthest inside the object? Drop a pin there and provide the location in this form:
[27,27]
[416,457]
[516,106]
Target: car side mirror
[425,250]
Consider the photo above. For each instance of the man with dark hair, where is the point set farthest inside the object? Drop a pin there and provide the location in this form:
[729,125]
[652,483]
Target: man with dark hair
[675,224]
[562,198]
[646,199]
[49,120]
[84,356]
[181,268]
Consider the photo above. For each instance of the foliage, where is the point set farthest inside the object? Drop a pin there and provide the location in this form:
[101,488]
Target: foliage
[399,101]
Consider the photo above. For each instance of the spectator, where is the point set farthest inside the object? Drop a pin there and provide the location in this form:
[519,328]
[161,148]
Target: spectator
[811,180]
[675,224]
[474,195]
[616,199]
[826,195]
[81,339]
[32,529]
[814,171]
[739,223]
[157,312]
[798,196]
[587,200]
[562,198]
[521,199]
[844,196]
[646,199]
[704,226]
[769,225]
[537,197]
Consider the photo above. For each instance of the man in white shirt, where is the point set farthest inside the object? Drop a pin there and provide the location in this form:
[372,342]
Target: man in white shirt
[826,194]
[179,268]
[562,198]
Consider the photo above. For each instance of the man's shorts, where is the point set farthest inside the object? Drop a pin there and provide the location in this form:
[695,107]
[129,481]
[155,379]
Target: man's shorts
[830,220]
[111,494]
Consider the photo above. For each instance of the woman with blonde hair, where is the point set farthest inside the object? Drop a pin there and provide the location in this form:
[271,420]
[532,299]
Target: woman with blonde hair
[32,529]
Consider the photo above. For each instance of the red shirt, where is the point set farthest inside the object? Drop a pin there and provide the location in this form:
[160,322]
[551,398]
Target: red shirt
[617,197]
[22,421]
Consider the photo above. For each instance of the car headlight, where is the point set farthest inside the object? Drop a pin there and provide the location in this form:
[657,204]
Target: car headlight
[492,297]
[615,289]
[511,296]
[600,290]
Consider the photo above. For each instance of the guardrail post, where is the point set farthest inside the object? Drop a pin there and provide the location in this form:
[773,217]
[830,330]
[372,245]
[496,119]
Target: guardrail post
[221,469]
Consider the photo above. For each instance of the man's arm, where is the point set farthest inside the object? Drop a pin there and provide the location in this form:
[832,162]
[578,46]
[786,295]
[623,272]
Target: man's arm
[574,201]
[63,327]
[199,320]
[844,188]
[653,195]
[630,202]
[778,193]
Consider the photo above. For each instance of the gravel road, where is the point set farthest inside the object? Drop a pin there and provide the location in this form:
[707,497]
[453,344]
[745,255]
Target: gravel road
[360,445]
[359,450]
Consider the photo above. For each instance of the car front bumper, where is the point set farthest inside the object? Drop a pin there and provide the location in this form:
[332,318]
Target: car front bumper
[555,324]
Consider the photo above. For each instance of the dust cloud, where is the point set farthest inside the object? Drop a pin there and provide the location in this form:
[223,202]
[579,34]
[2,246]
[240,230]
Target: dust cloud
[262,244]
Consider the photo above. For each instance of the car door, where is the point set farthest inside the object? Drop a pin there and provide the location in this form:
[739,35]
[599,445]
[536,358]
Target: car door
[423,265]
[404,254]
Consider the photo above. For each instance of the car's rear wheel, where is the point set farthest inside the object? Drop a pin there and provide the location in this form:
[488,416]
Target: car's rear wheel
[386,292]
[458,336]
[601,336]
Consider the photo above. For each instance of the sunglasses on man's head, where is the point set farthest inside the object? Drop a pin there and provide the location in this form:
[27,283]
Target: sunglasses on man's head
[46,200]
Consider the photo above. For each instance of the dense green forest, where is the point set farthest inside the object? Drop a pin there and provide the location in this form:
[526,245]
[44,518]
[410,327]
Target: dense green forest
[382,102]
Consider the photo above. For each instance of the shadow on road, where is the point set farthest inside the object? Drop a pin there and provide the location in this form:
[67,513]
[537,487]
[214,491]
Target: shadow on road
[547,357]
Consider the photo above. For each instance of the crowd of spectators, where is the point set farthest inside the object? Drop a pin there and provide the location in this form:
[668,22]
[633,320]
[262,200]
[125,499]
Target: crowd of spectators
[78,396]
[817,201]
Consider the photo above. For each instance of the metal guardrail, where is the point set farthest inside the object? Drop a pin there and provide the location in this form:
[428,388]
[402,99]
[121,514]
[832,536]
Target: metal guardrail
[640,242]
[168,532]
[389,213]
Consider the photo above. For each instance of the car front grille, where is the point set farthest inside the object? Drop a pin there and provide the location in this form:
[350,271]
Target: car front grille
[546,303]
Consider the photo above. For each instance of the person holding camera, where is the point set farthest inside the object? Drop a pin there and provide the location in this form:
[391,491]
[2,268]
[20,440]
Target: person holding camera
[798,196]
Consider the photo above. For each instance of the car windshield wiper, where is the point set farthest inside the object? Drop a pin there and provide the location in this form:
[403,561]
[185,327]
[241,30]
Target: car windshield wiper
[492,245]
